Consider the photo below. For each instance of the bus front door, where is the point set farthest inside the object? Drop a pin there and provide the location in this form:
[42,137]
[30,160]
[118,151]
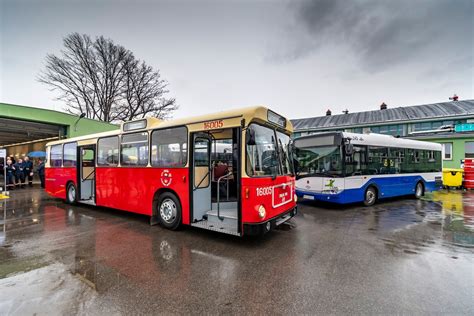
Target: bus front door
[201,171]
[86,174]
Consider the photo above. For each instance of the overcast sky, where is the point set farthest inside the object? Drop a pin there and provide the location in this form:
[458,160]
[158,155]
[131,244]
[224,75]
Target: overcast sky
[297,57]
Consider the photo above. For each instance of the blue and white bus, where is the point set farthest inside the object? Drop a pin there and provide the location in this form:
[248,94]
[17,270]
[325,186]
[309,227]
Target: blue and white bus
[342,167]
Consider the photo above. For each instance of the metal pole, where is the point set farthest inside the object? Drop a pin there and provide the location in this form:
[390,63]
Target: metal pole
[3,154]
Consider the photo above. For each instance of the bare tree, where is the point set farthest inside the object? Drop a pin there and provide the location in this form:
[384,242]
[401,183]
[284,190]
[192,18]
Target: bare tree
[104,81]
[144,92]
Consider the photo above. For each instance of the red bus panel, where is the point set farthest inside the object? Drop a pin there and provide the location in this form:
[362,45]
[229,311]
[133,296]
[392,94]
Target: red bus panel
[277,196]
[57,178]
[132,189]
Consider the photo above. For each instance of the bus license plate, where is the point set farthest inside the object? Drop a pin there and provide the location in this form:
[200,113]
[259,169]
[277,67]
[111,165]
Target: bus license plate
[282,194]
[309,197]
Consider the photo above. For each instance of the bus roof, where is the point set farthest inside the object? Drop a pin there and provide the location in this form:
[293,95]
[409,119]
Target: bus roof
[247,113]
[370,139]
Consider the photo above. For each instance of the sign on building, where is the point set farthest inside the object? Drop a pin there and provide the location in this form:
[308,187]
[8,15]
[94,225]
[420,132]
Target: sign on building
[467,127]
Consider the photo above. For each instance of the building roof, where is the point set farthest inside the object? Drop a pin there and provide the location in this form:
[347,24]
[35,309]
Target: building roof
[388,116]
[19,124]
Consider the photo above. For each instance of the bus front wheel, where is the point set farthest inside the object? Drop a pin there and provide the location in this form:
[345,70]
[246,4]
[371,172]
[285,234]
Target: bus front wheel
[419,190]
[169,211]
[370,196]
[71,194]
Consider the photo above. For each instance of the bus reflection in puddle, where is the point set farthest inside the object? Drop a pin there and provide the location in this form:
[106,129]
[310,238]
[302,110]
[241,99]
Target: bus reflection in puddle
[109,254]
[414,226]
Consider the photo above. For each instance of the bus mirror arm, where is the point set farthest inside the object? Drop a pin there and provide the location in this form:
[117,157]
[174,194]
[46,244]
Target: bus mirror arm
[251,137]
[349,149]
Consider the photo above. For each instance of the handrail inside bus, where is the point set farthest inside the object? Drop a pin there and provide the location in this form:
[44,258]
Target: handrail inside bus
[226,176]
[87,178]
[200,182]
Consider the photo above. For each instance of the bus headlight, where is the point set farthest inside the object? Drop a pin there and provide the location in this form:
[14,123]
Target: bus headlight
[296,197]
[261,211]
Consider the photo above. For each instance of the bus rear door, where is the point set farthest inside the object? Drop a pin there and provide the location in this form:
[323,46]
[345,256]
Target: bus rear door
[86,174]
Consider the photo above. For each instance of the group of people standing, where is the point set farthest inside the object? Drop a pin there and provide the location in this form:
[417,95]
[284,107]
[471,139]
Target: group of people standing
[19,171]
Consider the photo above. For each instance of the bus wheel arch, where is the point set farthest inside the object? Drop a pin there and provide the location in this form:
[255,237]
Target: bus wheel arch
[419,189]
[371,195]
[167,209]
[71,192]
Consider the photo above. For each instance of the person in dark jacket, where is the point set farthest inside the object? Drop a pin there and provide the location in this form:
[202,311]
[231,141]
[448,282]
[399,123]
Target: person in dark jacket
[28,170]
[10,174]
[40,171]
[20,173]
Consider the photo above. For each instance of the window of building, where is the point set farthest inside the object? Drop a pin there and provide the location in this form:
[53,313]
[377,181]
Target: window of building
[469,149]
[375,129]
[56,156]
[134,151]
[448,122]
[394,130]
[447,151]
[169,147]
[70,155]
[108,151]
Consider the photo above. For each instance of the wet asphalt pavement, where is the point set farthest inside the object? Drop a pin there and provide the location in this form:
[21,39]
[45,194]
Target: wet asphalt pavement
[402,256]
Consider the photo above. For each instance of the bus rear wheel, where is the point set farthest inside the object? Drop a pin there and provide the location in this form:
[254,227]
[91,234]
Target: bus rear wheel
[419,190]
[169,211]
[370,196]
[71,194]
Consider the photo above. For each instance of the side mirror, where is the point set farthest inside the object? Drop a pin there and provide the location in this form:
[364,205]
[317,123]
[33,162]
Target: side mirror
[349,148]
[251,137]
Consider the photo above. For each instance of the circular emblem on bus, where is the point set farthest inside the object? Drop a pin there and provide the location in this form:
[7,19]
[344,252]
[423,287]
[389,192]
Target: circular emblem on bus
[166,177]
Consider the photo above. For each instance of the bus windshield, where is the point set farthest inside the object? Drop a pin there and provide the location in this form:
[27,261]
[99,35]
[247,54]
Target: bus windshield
[321,160]
[268,152]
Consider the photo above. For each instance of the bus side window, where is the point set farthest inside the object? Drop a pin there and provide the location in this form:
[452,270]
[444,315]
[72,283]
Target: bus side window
[356,164]
[134,151]
[56,156]
[378,160]
[108,151]
[169,147]
[69,157]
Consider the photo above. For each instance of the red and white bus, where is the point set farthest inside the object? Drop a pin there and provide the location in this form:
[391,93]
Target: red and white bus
[229,172]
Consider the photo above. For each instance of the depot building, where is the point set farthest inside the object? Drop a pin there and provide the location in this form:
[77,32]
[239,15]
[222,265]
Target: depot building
[449,123]
[25,129]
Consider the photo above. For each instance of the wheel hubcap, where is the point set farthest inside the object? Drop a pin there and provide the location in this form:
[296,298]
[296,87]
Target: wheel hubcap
[72,193]
[370,196]
[168,210]
[418,190]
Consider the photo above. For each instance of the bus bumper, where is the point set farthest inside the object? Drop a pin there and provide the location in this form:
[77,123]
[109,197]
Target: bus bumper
[343,197]
[261,228]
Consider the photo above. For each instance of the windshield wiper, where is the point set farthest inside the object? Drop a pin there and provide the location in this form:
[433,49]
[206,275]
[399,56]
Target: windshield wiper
[286,157]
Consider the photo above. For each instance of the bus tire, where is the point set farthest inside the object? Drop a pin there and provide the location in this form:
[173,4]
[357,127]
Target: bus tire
[370,196]
[419,190]
[169,211]
[71,193]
